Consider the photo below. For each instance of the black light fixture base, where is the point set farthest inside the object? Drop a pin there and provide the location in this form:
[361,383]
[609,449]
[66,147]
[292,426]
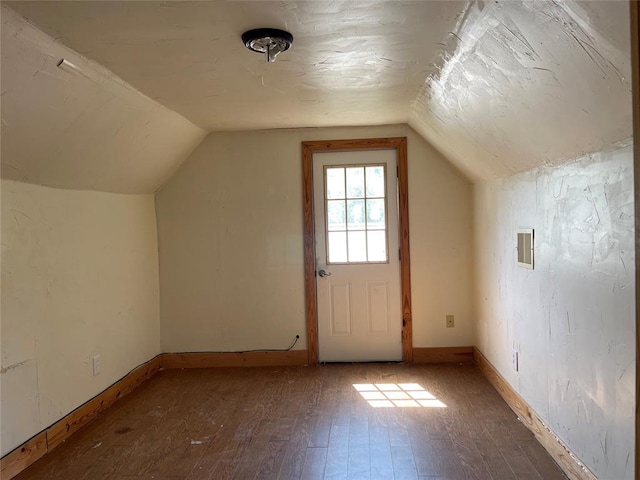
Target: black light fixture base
[269,41]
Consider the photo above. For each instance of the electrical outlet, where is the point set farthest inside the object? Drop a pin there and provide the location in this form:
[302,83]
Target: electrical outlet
[514,360]
[96,364]
[450,321]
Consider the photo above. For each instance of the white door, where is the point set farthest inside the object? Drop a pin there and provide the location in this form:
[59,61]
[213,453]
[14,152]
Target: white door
[357,250]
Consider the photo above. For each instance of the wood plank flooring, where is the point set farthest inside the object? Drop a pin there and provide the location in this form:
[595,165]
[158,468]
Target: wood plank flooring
[306,423]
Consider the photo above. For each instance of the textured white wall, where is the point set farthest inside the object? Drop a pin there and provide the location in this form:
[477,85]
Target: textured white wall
[230,239]
[79,278]
[572,317]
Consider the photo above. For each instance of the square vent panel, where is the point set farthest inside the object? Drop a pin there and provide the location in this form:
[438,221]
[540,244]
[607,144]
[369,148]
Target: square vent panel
[525,248]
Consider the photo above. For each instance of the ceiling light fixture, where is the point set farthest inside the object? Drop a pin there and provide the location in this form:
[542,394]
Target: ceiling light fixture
[269,41]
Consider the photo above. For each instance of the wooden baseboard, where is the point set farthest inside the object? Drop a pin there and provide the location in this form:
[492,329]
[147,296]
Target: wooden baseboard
[567,461]
[29,452]
[246,359]
[61,430]
[19,459]
[32,450]
[443,355]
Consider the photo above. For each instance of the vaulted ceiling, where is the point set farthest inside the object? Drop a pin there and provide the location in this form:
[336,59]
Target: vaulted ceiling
[497,87]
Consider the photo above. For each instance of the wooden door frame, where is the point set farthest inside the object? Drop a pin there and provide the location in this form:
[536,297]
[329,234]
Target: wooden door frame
[399,144]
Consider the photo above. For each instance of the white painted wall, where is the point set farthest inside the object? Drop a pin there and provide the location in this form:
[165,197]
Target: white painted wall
[79,278]
[230,239]
[572,317]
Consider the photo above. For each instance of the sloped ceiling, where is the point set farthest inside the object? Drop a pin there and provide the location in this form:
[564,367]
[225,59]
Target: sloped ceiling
[81,128]
[498,87]
[355,62]
[525,84]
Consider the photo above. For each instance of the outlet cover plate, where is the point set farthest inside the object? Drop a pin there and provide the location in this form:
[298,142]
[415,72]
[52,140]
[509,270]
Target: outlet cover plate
[96,364]
[450,321]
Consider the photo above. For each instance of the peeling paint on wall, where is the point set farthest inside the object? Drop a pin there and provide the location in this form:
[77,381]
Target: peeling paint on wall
[13,366]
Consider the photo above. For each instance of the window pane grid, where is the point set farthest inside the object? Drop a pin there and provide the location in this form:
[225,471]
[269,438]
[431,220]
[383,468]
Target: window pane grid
[356,216]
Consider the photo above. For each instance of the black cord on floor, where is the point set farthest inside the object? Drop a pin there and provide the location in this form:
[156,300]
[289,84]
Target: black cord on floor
[295,340]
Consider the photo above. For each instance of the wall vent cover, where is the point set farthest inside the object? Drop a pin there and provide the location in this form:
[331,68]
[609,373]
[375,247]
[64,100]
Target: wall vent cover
[525,248]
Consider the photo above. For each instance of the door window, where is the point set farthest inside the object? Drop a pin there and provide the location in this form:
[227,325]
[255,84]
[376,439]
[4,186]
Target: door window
[356,220]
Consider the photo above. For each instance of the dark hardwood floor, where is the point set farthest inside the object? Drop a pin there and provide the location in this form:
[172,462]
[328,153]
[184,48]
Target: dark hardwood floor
[364,421]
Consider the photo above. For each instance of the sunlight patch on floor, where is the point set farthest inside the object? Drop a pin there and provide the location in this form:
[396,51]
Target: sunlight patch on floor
[392,395]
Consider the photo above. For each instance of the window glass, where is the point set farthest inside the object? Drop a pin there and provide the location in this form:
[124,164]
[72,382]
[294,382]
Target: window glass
[356,214]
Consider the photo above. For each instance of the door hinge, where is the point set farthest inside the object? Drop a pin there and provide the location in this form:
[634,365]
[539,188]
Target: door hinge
[399,254]
[397,172]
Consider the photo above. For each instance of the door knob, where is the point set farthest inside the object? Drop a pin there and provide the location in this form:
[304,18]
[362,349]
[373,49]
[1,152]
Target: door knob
[324,273]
